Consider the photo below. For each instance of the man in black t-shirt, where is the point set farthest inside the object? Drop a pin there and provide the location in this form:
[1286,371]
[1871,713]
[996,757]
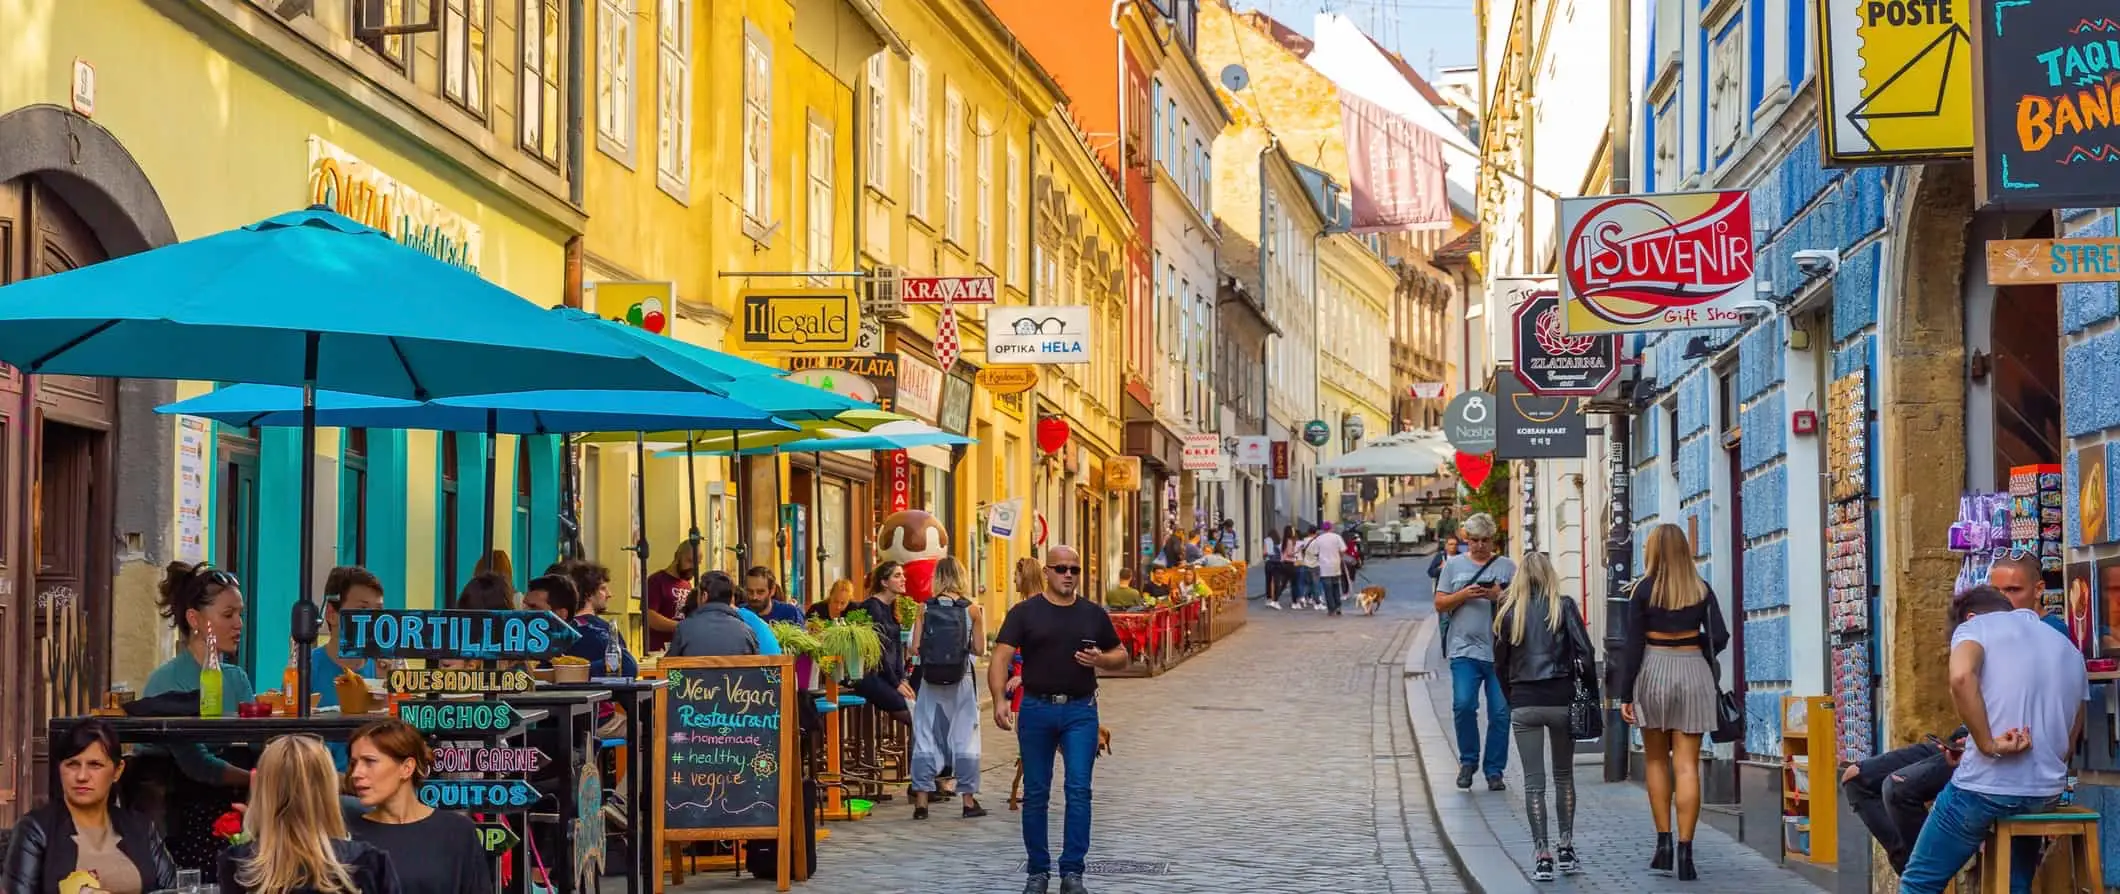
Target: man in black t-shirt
[1064,639]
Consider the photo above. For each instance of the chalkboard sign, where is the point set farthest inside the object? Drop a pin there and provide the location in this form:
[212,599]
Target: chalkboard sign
[453,634]
[730,764]
[2044,85]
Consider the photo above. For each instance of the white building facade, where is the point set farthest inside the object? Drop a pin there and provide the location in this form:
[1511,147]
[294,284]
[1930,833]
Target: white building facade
[1187,116]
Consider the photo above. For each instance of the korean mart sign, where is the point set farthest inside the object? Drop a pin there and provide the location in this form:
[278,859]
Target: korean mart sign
[2046,75]
[1898,79]
[1646,263]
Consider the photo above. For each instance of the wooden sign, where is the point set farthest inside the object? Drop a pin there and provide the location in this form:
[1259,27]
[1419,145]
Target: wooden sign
[729,768]
[459,717]
[497,838]
[1122,473]
[460,681]
[2033,262]
[452,634]
[476,794]
[1008,379]
[454,759]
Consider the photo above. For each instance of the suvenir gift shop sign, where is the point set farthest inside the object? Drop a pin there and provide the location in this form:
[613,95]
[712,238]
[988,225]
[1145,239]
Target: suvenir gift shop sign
[358,190]
[2046,104]
[1644,263]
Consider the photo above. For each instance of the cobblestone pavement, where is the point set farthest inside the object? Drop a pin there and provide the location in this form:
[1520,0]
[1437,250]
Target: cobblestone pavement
[1277,761]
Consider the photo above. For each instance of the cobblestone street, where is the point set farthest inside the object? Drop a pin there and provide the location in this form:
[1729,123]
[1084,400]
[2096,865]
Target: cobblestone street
[1276,761]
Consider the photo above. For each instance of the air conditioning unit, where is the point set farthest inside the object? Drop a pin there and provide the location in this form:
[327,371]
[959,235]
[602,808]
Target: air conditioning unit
[882,297]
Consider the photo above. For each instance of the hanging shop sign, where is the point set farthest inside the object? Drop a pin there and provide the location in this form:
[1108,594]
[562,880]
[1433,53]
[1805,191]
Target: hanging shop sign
[642,305]
[2045,83]
[1280,460]
[1122,473]
[1042,334]
[351,187]
[955,416]
[1552,363]
[797,321]
[1898,79]
[1010,405]
[1537,427]
[1008,379]
[1316,433]
[451,634]
[1468,422]
[1512,292]
[946,290]
[1254,450]
[919,388]
[873,378]
[1428,390]
[1201,451]
[1003,518]
[1646,263]
[898,479]
[1218,472]
[2038,262]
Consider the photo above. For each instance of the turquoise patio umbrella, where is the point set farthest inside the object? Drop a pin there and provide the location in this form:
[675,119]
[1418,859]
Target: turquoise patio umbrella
[310,299]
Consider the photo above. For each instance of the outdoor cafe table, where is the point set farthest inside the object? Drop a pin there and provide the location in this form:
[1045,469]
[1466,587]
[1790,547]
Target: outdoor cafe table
[643,743]
[570,725]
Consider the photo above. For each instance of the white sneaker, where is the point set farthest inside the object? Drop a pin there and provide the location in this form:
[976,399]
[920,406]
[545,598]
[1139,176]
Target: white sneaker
[1318,605]
[1273,605]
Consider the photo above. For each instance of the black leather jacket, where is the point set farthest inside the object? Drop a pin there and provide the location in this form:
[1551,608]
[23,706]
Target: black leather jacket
[42,850]
[1544,654]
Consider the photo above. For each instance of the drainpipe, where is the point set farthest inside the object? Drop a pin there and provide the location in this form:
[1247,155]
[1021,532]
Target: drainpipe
[570,545]
[576,59]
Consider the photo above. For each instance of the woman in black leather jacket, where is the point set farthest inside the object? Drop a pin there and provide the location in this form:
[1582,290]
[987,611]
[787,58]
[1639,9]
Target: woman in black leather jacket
[1540,650]
[81,832]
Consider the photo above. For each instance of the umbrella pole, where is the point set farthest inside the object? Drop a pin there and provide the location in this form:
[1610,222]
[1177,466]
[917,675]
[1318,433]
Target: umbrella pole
[492,483]
[692,499]
[640,524]
[743,523]
[817,583]
[302,623]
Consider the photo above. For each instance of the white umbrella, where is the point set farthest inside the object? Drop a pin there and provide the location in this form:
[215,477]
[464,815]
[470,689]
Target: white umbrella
[1408,454]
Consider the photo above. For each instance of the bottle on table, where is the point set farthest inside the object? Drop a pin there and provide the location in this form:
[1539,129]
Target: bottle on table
[210,689]
[613,659]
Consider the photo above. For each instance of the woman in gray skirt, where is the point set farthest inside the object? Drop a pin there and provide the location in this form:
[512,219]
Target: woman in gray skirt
[1540,651]
[946,635]
[1668,690]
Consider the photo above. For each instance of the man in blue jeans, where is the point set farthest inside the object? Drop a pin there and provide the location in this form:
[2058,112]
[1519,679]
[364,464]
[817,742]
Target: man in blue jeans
[2020,686]
[1467,587]
[1063,639]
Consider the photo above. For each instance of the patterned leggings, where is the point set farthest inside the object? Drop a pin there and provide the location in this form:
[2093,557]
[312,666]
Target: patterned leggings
[1534,728]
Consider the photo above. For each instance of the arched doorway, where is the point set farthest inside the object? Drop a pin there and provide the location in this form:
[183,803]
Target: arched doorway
[70,195]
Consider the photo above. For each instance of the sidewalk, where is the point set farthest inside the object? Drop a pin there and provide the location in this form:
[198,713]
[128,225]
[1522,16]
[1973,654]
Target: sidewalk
[1489,836]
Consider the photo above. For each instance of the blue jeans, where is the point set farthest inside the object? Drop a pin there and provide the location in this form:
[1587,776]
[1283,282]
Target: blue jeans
[1957,825]
[1335,587]
[1044,729]
[1468,678]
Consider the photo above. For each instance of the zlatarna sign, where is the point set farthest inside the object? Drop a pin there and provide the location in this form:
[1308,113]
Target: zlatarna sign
[1652,262]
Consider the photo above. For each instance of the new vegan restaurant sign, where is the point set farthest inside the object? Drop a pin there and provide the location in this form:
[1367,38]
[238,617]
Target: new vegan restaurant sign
[1643,263]
[2047,104]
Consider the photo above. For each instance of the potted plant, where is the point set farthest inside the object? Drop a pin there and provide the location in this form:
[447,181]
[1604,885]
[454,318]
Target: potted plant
[808,652]
[852,642]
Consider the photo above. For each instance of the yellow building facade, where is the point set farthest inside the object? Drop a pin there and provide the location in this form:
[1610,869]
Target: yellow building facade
[1355,291]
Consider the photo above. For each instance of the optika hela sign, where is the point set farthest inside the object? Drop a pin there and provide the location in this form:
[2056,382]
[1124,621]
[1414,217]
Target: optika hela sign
[1650,262]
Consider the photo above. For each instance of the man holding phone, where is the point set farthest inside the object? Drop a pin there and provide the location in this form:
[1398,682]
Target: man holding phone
[1064,639]
[1467,587]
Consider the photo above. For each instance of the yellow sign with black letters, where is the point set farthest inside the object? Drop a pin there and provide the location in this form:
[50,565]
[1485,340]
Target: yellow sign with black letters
[797,321]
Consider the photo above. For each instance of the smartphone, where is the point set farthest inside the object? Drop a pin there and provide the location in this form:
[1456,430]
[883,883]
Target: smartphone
[1090,645]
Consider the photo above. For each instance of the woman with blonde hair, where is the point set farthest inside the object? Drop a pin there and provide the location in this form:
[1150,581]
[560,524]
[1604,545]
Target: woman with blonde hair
[1669,687]
[1541,650]
[836,602]
[297,831]
[948,633]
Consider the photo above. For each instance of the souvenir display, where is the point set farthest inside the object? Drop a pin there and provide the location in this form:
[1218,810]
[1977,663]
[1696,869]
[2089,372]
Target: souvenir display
[1851,700]
[1848,568]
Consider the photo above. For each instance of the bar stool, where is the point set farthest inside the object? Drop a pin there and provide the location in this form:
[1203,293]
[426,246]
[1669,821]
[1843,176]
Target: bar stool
[2077,825]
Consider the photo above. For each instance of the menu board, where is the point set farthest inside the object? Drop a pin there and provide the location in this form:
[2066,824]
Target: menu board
[730,764]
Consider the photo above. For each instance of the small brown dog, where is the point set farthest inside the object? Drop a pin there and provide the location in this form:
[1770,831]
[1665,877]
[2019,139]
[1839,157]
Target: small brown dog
[1371,598]
[1015,789]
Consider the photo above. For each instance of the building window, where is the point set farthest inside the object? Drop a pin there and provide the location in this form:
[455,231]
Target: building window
[1013,224]
[1161,151]
[917,146]
[445,553]
[1203,179]
[465,24]
[390,46]
[673,93]
[879,121]
[1664,164]
[353,497]
[821,163]
[983,191]
[540,78]
[757,126]
[952,166]
[614,78]
[1726,90]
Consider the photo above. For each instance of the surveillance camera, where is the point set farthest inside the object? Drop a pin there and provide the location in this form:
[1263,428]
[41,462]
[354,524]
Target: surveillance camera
[1817,261]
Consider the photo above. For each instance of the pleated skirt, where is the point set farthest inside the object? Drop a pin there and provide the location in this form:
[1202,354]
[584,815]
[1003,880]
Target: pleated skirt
[1675,690]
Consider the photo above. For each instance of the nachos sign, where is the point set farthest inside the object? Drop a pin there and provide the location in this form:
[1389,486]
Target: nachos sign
[1645,263]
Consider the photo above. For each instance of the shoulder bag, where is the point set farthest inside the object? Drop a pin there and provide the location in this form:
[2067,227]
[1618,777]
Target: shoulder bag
[1586,711]
[1729,714]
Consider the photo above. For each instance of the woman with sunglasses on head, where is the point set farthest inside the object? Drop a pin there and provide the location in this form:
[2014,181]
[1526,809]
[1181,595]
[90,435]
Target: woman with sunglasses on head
[297,831]
[81,830]
[205,604]
[434,851]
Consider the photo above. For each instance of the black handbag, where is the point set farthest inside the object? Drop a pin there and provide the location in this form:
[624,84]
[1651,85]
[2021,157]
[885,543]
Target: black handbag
[1586,711]
[1729,713]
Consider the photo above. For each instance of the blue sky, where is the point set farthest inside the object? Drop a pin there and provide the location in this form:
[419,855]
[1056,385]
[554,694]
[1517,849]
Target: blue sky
[1429,33]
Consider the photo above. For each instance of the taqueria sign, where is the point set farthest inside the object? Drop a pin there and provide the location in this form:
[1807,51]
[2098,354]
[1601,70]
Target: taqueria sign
[2046,104]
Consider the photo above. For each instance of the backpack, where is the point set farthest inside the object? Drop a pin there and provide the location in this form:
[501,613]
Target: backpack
[945,640]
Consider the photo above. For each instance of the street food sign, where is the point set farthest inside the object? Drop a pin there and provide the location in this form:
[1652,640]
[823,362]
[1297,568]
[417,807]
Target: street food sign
[1898,79]
[460,681]
[2038,262]
[1553,363]
[475,794]
[797,321]
[2048,77]
[1644,263]
[451,634]
[946,290]
[459,717]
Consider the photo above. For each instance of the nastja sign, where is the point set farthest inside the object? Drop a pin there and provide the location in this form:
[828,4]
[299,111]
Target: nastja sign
[1651,262]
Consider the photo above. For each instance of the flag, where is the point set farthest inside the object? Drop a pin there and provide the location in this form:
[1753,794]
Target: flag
[1395,169]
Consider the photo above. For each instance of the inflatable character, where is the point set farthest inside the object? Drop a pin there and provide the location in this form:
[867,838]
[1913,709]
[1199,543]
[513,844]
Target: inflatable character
[916,540]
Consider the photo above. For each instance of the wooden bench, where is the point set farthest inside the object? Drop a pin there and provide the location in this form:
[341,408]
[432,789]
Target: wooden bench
[2078,826]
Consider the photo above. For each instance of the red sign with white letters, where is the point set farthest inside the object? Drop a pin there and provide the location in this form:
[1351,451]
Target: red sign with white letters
[946,290]
[899,478]
[1652,262]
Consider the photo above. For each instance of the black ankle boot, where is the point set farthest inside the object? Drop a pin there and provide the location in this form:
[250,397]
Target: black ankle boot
[1661,861]
[1686,872]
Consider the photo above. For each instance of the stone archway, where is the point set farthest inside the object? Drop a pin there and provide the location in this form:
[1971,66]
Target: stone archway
[1921,449]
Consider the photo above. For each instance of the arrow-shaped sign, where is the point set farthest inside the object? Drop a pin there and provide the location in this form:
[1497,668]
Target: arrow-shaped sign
[459,717]
[453,759]
[476,794]
[453,634]
[460,681]
[497,837]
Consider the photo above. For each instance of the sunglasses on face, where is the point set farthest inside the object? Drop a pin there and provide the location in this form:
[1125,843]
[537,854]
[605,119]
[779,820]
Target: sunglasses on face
[1064,569]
